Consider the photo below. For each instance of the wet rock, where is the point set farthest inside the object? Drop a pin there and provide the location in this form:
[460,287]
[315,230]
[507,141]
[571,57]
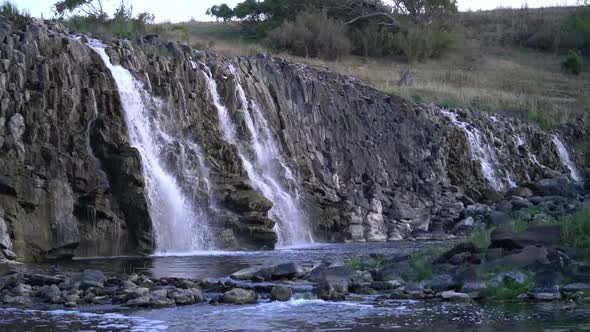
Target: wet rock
[142,301]
[558,186]
[239,296]
[10,255]
[520,192]
[281,293]
[287,271]
[51,294]
[455,296]
[92,278]
[578,287]
[535,236]
[133,293]
[159,299]
[498,218]
[21,290]
[184,296]
[464,250]
[527,257]
[441,283]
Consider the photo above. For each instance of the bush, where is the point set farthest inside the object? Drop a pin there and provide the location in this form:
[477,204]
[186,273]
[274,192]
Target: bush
[421,44]
[572,63]
[311,35]
[373,40]
[12,13]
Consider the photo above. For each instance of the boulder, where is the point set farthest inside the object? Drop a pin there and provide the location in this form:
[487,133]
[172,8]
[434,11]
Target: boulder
[520,192]
[281,293]
[558,186]
[462,248]
[548,236]
[287,271]
[527,257]
[441,283]
[92,278]
[498,218]
[239,296]
[454,296]
[186,296]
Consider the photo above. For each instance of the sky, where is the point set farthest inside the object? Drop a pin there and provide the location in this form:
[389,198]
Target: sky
[183,10]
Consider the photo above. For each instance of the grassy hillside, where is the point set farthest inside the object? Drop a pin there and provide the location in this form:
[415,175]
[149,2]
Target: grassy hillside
[490,70]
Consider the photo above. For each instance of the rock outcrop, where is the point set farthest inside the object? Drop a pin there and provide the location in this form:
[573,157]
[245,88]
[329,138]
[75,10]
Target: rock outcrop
[367,166]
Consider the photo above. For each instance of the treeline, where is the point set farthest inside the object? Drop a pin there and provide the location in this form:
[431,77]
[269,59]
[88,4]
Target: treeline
[329,29]
[89,16]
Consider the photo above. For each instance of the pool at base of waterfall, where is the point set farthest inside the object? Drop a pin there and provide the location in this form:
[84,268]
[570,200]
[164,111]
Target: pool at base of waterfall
[309,315]
[302,313]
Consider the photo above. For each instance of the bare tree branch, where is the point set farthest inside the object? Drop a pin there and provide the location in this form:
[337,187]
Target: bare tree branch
[393,20]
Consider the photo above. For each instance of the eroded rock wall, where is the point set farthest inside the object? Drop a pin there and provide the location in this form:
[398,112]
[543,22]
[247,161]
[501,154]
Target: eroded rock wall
[370,166]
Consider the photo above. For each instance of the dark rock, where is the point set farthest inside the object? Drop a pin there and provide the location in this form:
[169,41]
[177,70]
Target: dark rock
[239,296]
[527,257]
[504,206]
[454,296]
[287,271]
[498,218]
[558,186]
[535,236]
[388,273]
[494,253]
[441,283]
[280,293]
[461,248]
[520,192]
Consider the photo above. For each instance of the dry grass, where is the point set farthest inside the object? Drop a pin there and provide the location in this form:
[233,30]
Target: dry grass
[521,82]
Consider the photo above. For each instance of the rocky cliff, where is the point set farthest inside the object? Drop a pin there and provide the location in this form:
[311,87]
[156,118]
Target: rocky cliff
[355,163]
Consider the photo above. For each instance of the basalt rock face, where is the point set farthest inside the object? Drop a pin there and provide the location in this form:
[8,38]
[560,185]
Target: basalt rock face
[368,166]
[55,192]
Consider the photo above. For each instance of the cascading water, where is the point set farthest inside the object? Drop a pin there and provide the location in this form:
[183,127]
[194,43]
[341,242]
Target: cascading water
[564,156]
[267,170]
[177,225]
[482,152]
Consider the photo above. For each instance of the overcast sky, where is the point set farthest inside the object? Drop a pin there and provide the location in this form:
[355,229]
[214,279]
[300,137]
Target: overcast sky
[183,10]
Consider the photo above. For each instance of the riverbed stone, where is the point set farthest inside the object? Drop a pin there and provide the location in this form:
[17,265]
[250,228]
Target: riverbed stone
[239,296]
[454,296]
[287,271]
[281,293]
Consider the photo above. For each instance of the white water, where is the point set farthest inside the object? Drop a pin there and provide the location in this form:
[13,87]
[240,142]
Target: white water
[177,226]
[268,173]
[482,152]
[564,156]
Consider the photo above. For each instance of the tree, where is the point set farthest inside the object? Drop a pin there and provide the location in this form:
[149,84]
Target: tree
[89,7]
[423,12]
[222,11]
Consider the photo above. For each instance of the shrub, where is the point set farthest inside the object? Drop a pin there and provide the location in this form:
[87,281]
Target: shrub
[12,13]
[373,40]
[311,35]
[572,63]
[508,289]
[424,43]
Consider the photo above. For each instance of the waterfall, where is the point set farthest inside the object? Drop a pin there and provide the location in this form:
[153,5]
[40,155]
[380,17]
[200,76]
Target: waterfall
[482,152]
[268,172]
[564,156]
[178,226]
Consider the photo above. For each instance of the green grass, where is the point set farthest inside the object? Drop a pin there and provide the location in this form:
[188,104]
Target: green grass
[363,263]
[419,267]
[508,289]
[14,14]
[575,233]
[481,238]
